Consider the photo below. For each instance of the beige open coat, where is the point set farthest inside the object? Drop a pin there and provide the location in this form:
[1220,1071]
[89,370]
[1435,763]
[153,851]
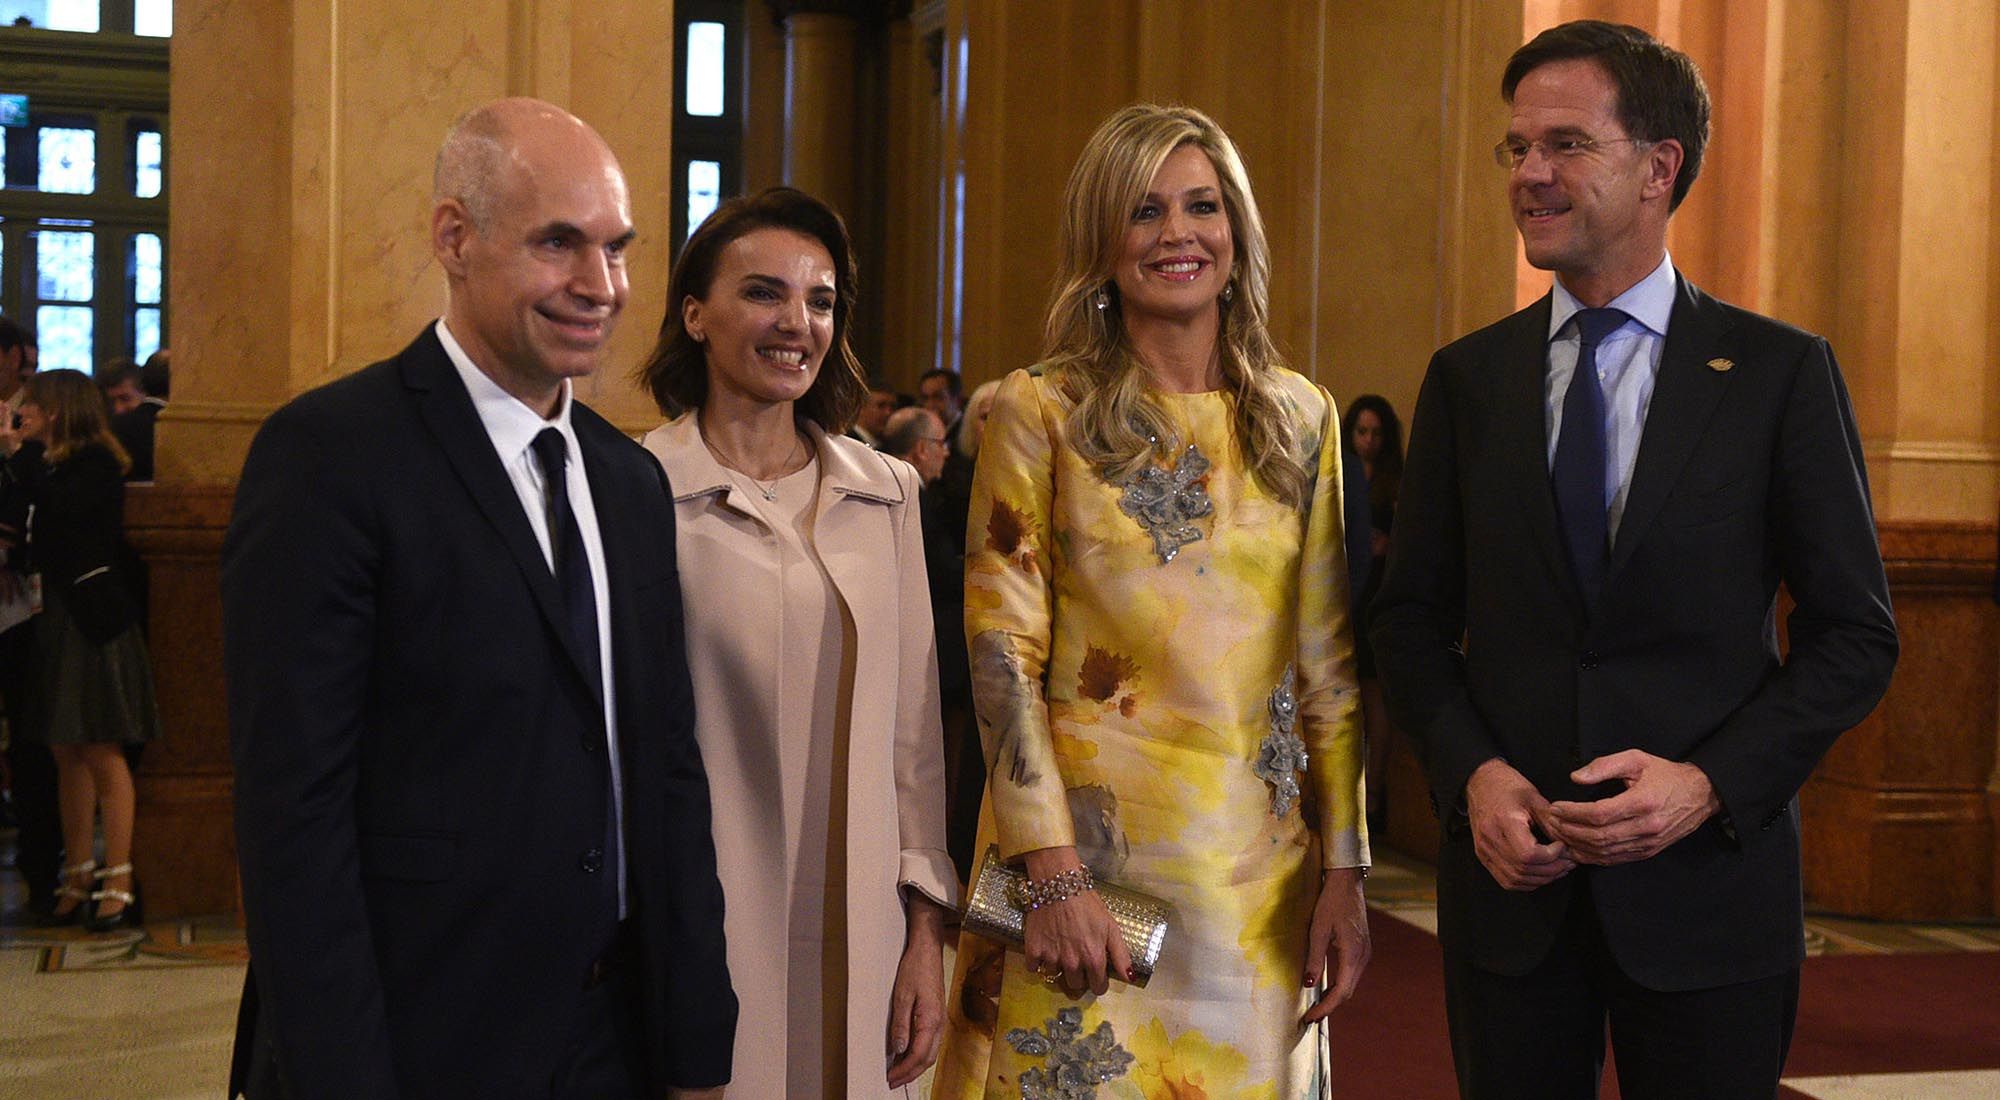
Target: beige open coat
[868,532]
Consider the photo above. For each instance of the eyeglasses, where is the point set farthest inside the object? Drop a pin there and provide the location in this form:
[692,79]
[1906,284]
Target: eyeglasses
[1513,152]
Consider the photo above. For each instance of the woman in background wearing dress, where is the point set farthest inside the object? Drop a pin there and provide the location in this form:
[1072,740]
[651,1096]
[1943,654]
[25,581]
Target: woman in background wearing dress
[812,648]
[1375,433]
[1157,612]
[92,675]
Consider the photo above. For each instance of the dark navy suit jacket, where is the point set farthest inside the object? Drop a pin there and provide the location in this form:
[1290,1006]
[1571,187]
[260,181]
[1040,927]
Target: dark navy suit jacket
[422,790]
[1749,475]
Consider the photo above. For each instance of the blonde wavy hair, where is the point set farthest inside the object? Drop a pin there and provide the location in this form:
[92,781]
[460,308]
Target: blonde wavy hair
[1116,421]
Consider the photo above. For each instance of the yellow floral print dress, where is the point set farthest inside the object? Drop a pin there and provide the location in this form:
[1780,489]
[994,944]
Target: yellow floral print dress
[1165,679]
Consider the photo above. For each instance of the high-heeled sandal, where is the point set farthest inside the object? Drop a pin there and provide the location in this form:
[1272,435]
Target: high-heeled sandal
[128,913]
[73,915]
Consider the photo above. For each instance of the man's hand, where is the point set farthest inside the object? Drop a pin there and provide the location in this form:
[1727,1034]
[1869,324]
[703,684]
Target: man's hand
[1663,801]
[1339,934]
[1503,807]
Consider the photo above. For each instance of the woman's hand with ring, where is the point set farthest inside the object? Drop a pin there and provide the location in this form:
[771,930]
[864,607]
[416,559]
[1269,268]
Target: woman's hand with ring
[1076,939]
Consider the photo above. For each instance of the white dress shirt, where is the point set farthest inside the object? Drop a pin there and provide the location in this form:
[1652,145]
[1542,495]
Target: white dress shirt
[1628,363]
[513,426]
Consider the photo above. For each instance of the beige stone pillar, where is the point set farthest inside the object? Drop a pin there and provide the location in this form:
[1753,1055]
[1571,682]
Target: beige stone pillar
[822,41]
[303,139]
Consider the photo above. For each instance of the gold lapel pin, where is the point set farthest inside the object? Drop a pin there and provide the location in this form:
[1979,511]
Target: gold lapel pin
[1720,365]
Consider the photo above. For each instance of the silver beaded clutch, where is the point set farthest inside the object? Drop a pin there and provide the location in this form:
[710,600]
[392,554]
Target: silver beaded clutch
[991,911]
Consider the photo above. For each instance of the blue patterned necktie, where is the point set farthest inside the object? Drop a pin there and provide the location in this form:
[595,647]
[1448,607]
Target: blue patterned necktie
[1578,472]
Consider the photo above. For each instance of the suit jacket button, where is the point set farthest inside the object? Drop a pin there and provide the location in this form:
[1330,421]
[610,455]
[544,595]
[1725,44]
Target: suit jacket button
[1588,662]
[1576,756]
[592,861]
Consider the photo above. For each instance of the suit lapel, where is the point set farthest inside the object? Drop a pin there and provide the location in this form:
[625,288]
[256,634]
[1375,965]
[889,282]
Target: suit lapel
[1685,395]
[447,411]
[614,529]
[1524,418]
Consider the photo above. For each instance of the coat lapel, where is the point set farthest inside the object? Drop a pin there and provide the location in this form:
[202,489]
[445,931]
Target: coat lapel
[852,550]
[1685,396]
[447,411]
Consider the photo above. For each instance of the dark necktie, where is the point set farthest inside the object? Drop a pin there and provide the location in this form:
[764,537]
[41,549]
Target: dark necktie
[572,567]
[572,571]
[1578,472]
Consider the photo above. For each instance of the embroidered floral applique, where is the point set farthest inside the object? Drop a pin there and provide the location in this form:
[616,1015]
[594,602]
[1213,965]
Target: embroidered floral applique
[1167,502]
[1074,1064]
[1282,756]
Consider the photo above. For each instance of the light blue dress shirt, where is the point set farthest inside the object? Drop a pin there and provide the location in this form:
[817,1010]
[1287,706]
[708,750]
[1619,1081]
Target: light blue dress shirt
[1628,363]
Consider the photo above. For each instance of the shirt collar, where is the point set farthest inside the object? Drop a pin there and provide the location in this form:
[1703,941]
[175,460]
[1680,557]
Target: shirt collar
[511,425]
[1650,301]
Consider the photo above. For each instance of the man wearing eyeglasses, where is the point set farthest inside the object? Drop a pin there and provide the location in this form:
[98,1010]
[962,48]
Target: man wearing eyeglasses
[1602,495]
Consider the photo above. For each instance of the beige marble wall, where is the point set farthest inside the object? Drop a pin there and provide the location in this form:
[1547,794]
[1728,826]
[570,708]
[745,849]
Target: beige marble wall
[1388,226]
[304,134]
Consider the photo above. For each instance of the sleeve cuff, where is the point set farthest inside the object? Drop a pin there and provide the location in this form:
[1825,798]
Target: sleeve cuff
[929,872]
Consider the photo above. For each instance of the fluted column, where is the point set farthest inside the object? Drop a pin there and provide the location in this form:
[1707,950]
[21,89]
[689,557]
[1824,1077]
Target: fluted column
[822,52]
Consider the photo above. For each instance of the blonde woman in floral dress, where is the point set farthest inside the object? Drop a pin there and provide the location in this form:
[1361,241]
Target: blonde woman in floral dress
[1156,606]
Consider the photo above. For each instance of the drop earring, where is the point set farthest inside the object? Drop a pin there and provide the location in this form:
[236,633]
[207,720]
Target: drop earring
[1101,299]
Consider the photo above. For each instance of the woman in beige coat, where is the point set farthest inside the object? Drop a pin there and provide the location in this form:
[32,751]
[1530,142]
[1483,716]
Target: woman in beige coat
[809,633]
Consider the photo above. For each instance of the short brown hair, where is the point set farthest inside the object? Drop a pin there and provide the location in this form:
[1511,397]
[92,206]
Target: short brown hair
[1660,91]
[677,372]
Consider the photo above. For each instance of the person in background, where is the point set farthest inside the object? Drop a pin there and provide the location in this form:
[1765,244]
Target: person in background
[118,380]
[872,419]
[31,769]
[965,441]
[136,424]
[943,394]
[810,640]
[1157,614]
[94,682]
[1376,435]
[916,436]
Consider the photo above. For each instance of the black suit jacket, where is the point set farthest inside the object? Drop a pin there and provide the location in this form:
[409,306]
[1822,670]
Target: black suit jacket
[1749,475]
[422,790]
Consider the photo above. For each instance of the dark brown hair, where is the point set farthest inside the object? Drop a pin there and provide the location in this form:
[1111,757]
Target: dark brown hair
[677,372]
[1660,92]
[1387,480]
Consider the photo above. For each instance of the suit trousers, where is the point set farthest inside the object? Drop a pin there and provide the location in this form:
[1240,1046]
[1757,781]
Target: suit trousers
[605,1058]
[1540,1036]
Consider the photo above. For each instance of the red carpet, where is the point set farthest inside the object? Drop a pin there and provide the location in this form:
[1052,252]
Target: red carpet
[1857,1014]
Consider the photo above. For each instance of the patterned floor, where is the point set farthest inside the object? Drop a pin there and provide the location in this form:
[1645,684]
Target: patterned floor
[150,1013]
